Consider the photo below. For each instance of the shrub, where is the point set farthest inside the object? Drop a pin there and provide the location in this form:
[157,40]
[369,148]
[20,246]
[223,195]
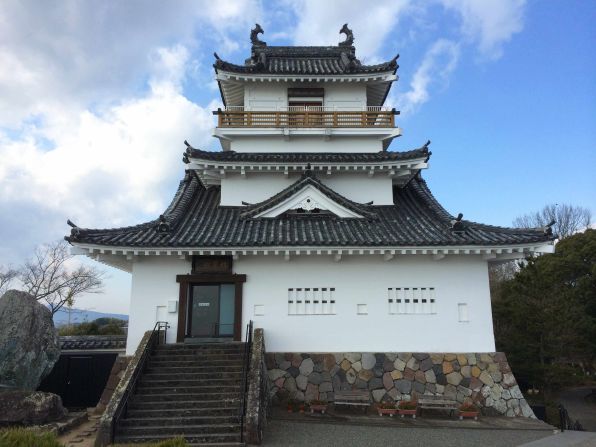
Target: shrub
[407,405]
[174,442]
[22,437]
[467,407]
[386,405]
[318,402]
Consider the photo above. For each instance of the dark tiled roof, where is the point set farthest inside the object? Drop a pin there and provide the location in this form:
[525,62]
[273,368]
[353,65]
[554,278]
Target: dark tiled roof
[92,342]
[331,60]
[195,219]
[304,157]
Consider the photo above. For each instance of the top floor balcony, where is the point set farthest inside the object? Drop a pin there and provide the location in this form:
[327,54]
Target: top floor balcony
[307,117]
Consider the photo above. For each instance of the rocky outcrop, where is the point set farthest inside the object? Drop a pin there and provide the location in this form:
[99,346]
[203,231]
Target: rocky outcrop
[482,378]
[29,345]
[30,408]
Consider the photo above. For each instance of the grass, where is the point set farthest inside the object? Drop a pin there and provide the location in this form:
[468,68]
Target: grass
[174,442]
[22,437]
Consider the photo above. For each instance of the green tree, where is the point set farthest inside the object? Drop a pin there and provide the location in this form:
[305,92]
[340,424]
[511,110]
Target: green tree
[545,316]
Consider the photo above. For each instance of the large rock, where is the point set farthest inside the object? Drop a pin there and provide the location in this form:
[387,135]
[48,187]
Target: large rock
[28,341]
[30,408]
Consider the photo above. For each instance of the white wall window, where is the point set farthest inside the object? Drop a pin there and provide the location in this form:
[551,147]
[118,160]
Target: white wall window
[311,301]
[463,313]
[411,300]
[259,310]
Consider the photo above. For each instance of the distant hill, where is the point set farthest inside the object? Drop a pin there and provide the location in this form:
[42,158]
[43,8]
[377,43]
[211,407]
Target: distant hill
[80,316]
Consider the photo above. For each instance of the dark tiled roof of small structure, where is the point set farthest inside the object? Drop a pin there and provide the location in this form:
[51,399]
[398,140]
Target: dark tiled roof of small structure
[195,219]
[92,342]
[305,157]
[282,60]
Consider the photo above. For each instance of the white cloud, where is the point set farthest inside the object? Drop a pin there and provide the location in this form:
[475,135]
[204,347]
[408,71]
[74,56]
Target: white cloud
[319,22]
[489,23]
[69,54]
[108,167]
[438,63]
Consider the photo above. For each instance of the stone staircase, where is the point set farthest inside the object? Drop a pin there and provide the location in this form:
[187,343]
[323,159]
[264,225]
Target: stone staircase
[189,390]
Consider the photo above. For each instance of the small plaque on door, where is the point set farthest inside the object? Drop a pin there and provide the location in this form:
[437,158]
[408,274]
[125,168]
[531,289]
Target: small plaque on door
[204,304]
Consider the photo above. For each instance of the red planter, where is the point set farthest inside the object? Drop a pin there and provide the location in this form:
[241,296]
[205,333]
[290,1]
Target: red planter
[390,411]
[468,414]
[320,408]
[402,412]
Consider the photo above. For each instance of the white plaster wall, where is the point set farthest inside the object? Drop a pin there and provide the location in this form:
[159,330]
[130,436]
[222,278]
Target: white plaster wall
[266,96]
[300,143]
[345,96]
[254,188]
[364,280]
[271,96]
[153,284]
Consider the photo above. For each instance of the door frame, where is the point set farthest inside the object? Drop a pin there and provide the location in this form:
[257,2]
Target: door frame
[186,281]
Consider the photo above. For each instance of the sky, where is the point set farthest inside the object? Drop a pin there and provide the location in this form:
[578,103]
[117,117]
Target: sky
[96,99]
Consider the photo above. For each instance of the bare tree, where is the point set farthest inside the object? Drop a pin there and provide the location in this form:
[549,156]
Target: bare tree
[569,219]
[7,275]
[50,277]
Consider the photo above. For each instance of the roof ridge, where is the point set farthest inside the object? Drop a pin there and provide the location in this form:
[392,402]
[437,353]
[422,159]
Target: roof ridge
[429,198]
[384,155]
[166,222]
[307,178]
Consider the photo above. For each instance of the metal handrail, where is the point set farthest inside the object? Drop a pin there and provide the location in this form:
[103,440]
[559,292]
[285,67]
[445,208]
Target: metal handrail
[154,339]
[245,371]
[566,421]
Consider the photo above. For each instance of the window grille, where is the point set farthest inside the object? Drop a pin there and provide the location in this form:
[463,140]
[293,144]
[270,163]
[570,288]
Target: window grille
[311,301]
[411,300]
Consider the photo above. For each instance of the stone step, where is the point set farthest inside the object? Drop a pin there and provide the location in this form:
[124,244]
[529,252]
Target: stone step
[137,422]
[193,439]
[161,369]
[199,348]
[160,398]
[192,375]
[149,402]
[158,411]
[198,357]
[177,430]
[196,360]
[143,389]
[177,382]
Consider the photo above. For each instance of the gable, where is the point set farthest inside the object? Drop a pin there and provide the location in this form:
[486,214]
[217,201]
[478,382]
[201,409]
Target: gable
[309,199]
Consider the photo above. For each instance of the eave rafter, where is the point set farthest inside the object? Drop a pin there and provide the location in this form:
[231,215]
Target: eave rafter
[123,257]
[211,173]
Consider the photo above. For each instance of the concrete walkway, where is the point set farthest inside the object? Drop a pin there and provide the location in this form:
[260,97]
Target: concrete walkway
[566,439]
[347,429]
[304,434]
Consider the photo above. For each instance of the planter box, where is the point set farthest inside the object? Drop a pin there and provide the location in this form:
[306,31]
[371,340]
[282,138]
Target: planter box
[390,411]
[468,414]
[320,408]
[402,412]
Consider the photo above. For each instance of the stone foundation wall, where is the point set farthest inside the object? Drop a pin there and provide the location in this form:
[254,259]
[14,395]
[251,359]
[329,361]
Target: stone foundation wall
[116,374]
[482,378]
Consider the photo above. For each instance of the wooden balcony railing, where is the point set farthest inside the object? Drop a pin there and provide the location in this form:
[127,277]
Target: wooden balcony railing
[306,118]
